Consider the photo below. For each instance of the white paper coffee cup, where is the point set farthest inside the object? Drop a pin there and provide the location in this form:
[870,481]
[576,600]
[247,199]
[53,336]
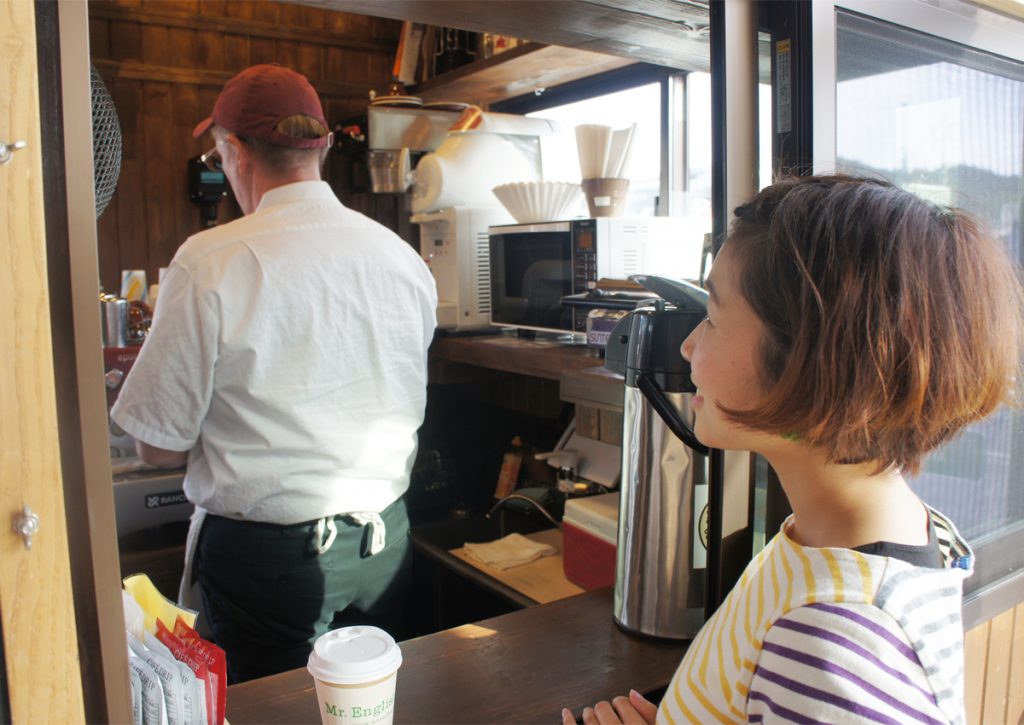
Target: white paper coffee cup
[355,670]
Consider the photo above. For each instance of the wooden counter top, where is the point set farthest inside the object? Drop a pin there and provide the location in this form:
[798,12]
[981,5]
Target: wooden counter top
[522,667]
[542,357]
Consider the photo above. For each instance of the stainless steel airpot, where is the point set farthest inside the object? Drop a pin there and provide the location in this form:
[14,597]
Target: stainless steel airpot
[663,552]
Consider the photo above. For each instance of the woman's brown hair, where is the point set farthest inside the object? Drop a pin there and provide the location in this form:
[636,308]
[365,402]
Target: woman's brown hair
[891,323]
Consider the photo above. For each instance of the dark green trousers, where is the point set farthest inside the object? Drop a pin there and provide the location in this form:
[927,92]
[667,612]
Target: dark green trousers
[267,595]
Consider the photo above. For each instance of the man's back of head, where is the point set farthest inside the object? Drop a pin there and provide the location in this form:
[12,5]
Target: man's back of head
[278,122]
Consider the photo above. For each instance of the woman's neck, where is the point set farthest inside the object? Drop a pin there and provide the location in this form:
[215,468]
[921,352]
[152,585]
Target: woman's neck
[847,505]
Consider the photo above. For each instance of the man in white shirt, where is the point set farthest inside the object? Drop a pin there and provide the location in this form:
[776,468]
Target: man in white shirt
[286,365]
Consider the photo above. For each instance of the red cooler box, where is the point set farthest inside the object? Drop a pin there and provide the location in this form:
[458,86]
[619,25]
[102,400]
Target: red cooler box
[589,528]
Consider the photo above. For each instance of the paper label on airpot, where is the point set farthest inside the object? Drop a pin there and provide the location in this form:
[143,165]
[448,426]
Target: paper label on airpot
[700,526]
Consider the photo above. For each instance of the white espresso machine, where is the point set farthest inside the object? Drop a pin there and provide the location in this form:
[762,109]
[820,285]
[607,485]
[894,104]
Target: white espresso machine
[454,206]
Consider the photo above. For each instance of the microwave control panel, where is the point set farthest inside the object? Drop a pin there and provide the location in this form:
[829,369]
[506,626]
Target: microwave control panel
[584,266]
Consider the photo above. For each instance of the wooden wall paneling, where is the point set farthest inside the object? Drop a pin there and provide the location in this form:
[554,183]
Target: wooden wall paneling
[131,188]
[236,52]
[310,60]
[153,13]
[262,50]
[997,667]
[171,59]
[209,50]
[348,65]
[155,47]
[266,11]
[325,19]
[181,6]
[213,8]
[181,47]
[340,23]
[1015,699]
[286,53]
[108,234]
[125,40]
[293,15]
[380,70]
[185,104]
[163,173]
[238,10]
[975,656]
[99,37]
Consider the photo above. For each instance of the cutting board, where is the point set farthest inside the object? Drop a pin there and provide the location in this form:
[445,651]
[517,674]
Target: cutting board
[542,580]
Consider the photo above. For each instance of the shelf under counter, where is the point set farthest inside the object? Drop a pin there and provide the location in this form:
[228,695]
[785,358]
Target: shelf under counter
[519,667]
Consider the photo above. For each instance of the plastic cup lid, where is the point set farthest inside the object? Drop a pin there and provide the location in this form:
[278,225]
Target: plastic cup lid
[354,655]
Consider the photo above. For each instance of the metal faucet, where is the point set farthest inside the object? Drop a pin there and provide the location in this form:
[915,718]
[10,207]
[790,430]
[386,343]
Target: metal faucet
[521,497]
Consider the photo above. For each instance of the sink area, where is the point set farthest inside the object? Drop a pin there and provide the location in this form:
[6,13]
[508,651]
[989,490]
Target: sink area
[477,528]
[451,592]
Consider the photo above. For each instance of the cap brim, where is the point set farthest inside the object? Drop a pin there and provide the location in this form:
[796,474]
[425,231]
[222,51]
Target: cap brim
[202,127]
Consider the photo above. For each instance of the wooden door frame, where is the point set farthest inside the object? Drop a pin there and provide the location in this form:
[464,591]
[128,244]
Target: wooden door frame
[73,263]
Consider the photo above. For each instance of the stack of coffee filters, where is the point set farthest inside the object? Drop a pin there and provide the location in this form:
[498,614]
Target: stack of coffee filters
[604,155]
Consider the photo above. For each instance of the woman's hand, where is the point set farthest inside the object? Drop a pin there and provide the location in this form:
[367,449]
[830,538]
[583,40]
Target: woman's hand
[632,710]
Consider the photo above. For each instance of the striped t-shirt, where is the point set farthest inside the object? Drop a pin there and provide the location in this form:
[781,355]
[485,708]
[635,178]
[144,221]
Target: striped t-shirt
[830,635]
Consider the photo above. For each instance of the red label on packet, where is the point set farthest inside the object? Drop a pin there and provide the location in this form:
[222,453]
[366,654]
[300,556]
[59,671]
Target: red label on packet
[183,653]
[214,658]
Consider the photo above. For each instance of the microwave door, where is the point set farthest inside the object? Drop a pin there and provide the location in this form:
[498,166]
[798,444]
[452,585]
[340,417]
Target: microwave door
[530,273]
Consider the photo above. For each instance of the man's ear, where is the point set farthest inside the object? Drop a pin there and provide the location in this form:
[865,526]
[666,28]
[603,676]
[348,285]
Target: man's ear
[243,157]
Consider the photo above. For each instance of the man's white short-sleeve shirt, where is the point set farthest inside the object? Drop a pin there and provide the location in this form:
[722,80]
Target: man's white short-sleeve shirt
[288,355]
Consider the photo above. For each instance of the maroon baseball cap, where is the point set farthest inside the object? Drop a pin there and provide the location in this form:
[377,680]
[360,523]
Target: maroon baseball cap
[253,102]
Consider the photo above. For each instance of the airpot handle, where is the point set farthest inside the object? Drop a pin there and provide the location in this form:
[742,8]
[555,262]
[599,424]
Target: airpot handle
[667,412]
[682,294]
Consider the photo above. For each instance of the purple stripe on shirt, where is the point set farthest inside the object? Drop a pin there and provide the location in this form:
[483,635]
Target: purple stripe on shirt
[901,646]
[856,648]
[814,693]
[779,711]
[842,673]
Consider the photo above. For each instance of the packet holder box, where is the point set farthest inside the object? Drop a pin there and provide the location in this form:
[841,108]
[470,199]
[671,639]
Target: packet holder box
[589,529]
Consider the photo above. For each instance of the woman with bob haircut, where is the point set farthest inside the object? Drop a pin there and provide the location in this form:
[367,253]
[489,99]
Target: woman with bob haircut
[852,328]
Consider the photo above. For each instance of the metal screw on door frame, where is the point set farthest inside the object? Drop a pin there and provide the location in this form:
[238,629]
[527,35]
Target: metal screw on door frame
[7,150]
[27,525]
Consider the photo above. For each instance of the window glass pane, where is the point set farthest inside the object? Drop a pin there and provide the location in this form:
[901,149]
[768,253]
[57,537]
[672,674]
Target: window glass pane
[946,122]
[640,105]
[697,197]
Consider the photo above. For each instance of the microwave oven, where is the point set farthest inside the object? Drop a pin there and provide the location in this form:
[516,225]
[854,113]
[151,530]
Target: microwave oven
[533,266]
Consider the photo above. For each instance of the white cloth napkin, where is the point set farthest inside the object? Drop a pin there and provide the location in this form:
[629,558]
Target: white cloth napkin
[512,550]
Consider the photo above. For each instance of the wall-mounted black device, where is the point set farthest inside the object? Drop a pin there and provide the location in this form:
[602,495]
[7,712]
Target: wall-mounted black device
[207,186]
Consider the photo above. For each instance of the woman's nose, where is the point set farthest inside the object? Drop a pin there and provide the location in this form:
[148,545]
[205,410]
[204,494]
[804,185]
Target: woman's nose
[686,349]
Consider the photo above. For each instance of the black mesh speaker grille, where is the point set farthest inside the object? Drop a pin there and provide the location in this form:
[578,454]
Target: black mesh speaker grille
[106,143]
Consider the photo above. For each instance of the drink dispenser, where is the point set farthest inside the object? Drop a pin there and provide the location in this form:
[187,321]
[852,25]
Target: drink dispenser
[662,565]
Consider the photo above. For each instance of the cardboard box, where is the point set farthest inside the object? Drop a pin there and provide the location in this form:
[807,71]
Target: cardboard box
[589,529]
